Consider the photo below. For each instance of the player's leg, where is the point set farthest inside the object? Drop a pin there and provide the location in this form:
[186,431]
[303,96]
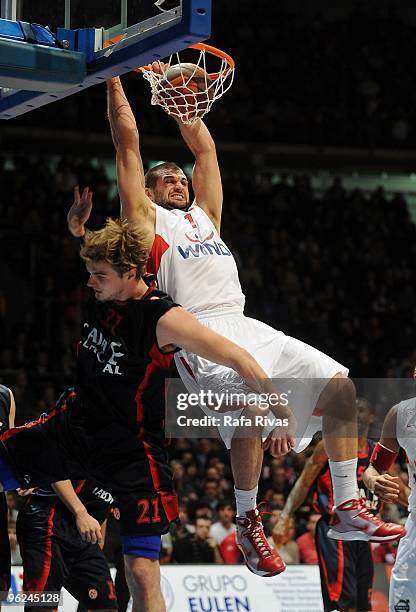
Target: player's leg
[365,575]
[337,403]
[89,579]
[144,516]
[246,455]
[44,568]
[336,568]
[143,578]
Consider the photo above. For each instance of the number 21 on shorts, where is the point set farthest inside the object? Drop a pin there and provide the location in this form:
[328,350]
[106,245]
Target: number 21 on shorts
[148,511]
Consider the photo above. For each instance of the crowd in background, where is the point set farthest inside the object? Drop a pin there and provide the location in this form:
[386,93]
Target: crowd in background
[335,271]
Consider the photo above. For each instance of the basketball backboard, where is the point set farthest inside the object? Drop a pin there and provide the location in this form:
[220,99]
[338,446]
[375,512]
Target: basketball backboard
[116,36]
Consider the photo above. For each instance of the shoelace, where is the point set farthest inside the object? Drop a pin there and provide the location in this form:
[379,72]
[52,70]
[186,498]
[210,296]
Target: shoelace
[365,512]
[260,543]
[257,534]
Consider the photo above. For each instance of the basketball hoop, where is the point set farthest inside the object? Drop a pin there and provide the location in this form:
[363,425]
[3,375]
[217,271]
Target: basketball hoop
[188,91]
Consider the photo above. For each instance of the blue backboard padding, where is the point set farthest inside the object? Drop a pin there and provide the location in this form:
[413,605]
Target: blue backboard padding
[43,35]
[28,66]
[11,29]
[195,26]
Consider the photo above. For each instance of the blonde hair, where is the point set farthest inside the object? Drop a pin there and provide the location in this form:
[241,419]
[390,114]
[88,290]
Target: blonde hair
[123,245]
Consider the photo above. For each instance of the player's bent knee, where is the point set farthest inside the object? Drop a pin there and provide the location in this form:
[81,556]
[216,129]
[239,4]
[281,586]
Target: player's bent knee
[339,395]
[144,573]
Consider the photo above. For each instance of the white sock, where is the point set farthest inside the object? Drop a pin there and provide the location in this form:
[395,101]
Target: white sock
[245,500]
[344,480]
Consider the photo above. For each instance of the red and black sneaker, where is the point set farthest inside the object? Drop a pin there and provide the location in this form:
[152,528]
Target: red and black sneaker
[353,521]
[260,558]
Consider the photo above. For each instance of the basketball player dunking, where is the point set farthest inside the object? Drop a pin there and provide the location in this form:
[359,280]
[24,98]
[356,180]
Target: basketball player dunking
[193,264]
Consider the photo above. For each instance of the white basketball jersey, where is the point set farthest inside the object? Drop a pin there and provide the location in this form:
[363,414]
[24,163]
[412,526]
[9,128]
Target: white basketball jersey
[406,437]
[192,263]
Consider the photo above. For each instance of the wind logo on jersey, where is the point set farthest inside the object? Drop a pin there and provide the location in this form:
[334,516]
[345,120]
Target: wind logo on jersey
[106,352]
[203,248]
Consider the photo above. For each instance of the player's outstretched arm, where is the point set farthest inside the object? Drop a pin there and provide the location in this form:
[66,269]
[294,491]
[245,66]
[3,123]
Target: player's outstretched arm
[206,176]
[297,496]
[384,485]
[88,527]
[179,328]
[136,206]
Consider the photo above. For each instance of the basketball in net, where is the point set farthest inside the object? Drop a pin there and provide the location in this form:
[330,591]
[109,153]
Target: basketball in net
[187,90]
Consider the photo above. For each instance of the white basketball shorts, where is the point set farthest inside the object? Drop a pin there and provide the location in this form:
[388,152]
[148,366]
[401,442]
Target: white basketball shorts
[279,355]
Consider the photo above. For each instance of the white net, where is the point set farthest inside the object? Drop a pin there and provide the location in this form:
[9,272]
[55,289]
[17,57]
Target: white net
[188,91]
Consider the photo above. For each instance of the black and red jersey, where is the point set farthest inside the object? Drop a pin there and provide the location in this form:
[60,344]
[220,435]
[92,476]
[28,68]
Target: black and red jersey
[111,427]
[121,371]
[323,496]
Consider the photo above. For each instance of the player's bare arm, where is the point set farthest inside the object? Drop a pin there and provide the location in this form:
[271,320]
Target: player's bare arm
[136,206]
[206,176]
[384,485]
[88,527]
[297,496]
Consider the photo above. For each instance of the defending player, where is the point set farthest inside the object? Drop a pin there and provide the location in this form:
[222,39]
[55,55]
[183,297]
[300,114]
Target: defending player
[59,539]
[7,414]
[399,431]
[194,265]
[346,568]
[112,425]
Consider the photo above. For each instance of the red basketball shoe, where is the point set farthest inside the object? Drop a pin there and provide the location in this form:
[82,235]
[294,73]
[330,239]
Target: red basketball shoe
[353,521]
[260,558]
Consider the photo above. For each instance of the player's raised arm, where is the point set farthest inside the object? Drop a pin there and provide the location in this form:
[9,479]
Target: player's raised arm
[179,328]
[136,206]
[385,486]
[206,176]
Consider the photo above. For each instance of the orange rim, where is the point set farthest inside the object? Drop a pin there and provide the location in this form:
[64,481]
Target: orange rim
[218,53]
[199,47]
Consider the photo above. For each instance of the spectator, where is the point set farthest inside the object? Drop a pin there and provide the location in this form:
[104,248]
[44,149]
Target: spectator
[225,524]
[198,547]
